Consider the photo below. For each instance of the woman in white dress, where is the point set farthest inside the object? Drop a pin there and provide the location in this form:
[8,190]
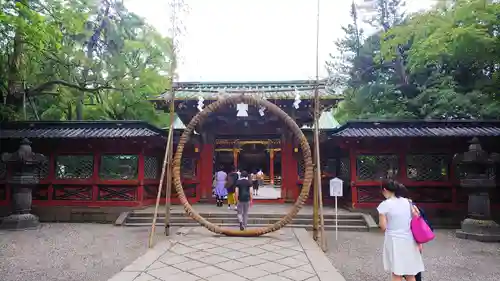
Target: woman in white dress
[401,254]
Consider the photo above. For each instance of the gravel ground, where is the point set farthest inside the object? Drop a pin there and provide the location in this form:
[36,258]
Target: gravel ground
[69,252]
[358,256]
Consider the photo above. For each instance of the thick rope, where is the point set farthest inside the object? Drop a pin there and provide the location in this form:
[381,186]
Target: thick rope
[272,108]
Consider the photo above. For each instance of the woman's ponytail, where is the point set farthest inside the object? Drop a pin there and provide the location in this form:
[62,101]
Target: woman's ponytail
[395,187]
[401,190]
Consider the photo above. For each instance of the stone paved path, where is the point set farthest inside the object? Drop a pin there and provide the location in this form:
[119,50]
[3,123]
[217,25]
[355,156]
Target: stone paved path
[268,192]
[195,254]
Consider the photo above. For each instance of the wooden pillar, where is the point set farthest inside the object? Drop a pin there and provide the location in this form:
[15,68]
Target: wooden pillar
[51,175]
[95,175]
[284,175]
[452,177]
[271,166]
[354,176]
[235,158]
[206,170]
[140,177]
[289,187]
[402,173]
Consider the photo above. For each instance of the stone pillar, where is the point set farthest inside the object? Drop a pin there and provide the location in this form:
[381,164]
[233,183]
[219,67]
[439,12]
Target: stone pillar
[478,181]
[25,176]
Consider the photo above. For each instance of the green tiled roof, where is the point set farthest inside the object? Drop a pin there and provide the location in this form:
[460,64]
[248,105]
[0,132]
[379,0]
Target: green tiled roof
[326,121]
[268,90]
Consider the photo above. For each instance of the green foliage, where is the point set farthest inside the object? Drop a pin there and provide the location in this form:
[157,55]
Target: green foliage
[440,64]
[80,59]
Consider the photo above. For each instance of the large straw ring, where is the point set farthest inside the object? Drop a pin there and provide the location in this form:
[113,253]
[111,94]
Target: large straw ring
[272,108]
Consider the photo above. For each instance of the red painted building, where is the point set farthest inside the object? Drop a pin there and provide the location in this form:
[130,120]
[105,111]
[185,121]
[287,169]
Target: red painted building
[109,166]
[416,153]
[256,141]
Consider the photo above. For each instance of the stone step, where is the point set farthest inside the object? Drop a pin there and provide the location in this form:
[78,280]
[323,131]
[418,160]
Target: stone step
[308,227]
[223,214]
[254,220]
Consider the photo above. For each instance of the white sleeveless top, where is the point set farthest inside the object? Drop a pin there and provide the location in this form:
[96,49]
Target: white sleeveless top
[398,213]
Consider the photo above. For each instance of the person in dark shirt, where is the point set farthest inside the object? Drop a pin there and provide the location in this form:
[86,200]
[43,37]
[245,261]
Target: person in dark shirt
[244,195]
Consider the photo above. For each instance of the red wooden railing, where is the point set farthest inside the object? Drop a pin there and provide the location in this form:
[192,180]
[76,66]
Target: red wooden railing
[96,191]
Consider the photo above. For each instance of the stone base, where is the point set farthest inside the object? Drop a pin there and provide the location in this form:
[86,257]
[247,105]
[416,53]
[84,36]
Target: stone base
[479,230]
[20,222]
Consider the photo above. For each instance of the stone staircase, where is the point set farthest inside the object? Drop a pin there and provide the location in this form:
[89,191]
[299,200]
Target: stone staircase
[346,221]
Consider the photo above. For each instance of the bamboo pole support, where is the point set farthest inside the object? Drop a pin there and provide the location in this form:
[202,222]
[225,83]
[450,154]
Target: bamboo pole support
[318,197]
[170,143]
[160,187]
[167,159]
[315,198]
[170,147]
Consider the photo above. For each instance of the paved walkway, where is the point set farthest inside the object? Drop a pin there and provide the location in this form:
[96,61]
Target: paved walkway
[195,254]
[268,192]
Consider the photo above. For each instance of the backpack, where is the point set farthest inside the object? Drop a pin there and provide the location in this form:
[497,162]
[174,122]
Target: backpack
[422,214]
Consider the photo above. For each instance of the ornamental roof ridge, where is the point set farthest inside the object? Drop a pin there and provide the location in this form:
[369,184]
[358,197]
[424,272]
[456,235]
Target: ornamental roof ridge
[267,89]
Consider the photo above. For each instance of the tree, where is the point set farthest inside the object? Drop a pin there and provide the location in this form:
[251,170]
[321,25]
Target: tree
[349,47]
[459,52]
[92,59]
[440,64]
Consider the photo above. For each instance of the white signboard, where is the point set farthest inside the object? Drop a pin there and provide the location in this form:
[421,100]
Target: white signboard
[336,187]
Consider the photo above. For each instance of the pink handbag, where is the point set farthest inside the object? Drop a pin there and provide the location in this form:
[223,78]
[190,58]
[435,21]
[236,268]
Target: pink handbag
[420,229]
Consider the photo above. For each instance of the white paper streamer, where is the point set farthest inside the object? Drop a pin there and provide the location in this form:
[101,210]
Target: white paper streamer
[200,103]
[297,99]
[261,110]
[242,110]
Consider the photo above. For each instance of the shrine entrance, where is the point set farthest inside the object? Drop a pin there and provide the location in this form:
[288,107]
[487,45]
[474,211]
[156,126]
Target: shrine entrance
[252,156]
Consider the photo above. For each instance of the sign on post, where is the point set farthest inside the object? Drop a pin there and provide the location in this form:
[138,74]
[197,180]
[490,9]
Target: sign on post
[336,187]
[336,190]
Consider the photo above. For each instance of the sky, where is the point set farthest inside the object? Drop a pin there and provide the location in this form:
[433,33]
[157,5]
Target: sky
[253,40]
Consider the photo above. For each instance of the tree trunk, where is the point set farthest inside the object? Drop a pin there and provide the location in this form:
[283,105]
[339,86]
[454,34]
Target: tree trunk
[69,115]
[79,105]
[90,50]
[81,94]
[14,84]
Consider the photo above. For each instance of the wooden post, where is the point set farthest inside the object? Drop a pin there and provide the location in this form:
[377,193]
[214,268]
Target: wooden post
[315,201]
[160,186]
[235,159]
[170,147]
[170,144]
[271,166]
[167,160]
[317,163]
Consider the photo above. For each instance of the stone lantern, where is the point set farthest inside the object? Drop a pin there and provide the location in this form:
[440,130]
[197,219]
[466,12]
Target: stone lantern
[24,167]
[478,179]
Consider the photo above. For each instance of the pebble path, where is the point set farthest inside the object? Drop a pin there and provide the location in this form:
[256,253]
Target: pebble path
[69,252]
